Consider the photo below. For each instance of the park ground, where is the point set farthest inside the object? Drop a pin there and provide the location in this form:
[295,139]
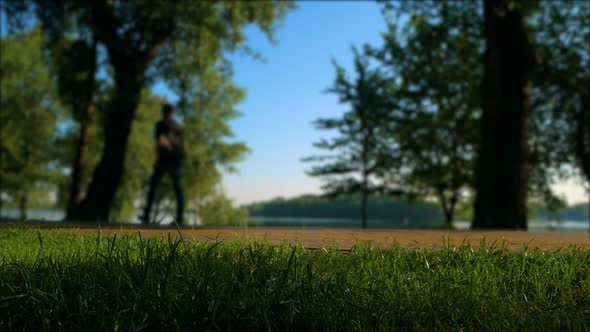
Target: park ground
[344,239]
[236,279]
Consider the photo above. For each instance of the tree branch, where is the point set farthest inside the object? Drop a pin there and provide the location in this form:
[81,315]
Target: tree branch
[104,24]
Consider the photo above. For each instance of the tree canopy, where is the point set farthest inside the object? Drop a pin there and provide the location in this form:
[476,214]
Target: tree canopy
[145,42]
[30,111]
[361,150]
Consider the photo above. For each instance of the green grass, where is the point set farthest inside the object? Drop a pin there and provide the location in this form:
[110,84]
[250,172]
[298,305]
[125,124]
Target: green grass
[50,280]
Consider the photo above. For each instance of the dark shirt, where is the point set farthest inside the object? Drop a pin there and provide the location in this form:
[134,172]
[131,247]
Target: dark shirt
[172,131]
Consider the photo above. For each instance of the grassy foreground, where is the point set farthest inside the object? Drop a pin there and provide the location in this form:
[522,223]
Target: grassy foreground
[50,280]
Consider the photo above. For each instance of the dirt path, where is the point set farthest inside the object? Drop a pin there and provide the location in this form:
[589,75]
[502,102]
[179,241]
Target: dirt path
[346,238]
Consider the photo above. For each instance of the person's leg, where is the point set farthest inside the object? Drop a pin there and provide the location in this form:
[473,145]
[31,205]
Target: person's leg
[176,173]
[154,181]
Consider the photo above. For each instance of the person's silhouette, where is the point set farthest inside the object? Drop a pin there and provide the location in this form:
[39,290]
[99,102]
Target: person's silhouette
[170,154]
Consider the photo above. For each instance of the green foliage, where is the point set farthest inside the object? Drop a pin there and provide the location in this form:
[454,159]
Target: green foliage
[360,151]
[27,121]
[206,130]
[207,105]
[57,281]
[206,154]
[148,42]
[434,58]
[561,97]
[208,102]
[200,35]
[186,46]
[392,212]
[66,142]
[217,209]
[139,159]
[175,31]
[74,69]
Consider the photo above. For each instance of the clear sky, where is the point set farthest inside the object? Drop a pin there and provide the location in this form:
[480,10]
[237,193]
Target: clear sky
[286,93]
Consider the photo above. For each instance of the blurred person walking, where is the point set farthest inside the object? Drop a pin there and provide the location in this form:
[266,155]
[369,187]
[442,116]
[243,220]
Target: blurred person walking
[170,154]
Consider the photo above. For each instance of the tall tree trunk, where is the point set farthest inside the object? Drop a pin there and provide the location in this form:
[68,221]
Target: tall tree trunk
[508,65]
[107,175]
[583,144]
[130,64]
[78,165]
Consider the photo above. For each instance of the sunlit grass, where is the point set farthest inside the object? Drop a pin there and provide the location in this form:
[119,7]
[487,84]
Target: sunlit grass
[55,280]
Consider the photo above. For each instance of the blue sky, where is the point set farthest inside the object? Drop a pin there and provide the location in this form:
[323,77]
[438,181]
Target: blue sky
[286,93]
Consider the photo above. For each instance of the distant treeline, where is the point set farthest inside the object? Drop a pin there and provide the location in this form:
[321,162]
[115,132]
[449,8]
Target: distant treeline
[347,207]
[577,212]
[393,211]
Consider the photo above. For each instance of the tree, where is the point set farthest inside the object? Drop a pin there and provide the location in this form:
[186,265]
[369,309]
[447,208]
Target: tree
[68,148]
[560,31]
[140,157]
[76,70]
[508,66]
[207,104]
[74,64]
[210,99]
[310,209]
[434,59]
[218,209]
[27,120]
[562,97]
[142,41]
[364,152]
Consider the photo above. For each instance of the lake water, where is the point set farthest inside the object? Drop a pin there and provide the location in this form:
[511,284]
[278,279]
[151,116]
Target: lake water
[536,225]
